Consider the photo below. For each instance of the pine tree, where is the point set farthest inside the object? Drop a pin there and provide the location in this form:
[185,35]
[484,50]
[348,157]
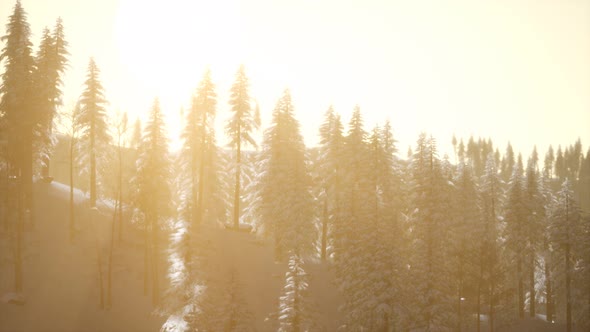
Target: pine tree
[330,173]
[200,150]
[17,121]
[239,128]
[467,228]
[93,123]
[285,204]
[121,128]
[535,214]
[490,248]
[51,62]
[548,163]
[432,293]
[294,307]
[515,218]
[74,131]
[565,230]
[507,166]
[152,189]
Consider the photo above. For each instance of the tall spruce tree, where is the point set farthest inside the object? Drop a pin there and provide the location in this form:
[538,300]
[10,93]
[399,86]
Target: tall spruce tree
[93,123]
[535,214]
[330,160]
[200,150]
[515,217]
[17,121]
[565,231]
[491,270]
[51,62]
[239,128]
[285,203]
[152,189]
[433,299]
[295,311]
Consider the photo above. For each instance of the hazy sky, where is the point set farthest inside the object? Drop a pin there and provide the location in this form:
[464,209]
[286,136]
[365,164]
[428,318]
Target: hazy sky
[514,70]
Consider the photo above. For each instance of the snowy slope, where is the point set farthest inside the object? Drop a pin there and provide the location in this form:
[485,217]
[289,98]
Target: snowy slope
[61,279]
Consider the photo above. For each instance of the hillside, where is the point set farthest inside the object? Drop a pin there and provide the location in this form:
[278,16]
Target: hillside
[61,278]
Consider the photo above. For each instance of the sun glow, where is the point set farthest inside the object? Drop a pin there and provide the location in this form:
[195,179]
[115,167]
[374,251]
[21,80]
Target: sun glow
[165,47]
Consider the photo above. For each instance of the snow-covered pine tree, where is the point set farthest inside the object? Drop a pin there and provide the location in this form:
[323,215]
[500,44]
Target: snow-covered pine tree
[515,216]
[17,117]
[466,231]
[433,299]
[351,234]
[507,164]
[93,123]
[295,311]
[490,249]
[535,214]
[50,65]
[239,128]
[565,231]
[285,204]
[330,172]
[152,191]
[200,156]
[391,234]
[73,130]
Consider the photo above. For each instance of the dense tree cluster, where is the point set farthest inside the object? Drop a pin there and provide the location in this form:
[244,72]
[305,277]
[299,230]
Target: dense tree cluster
[414,243]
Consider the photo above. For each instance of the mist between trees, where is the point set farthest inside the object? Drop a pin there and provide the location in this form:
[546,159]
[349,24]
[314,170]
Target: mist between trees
[485,239]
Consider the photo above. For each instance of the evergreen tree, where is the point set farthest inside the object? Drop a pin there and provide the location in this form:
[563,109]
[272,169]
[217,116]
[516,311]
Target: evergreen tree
[200,154]
[295,312]
[534,201]
[490,247]
[548,163]
[507,167]
[467,228]
[239,128]
[515,230]
[51,63]
[565,230]
[330,160]
[74,131]
[17,121]
[93,123]
[433,301]
[121,128]
[152,188]
[285,204]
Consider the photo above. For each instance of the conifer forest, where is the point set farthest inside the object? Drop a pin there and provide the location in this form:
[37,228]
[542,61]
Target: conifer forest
[245,227]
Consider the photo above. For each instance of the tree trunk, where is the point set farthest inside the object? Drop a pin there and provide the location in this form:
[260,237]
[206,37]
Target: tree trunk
[45,158]
[492,291]
[237,188]
[92,167]
[27,177]
[94,223]
[199,210]
[120,195]
[532,285]
[460,291]
[325,229]
[110,270]
[568,306]
[479,286]
[72,227]
[155,259]
[520,287]
[145,255]
[18,259]
[548,290]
